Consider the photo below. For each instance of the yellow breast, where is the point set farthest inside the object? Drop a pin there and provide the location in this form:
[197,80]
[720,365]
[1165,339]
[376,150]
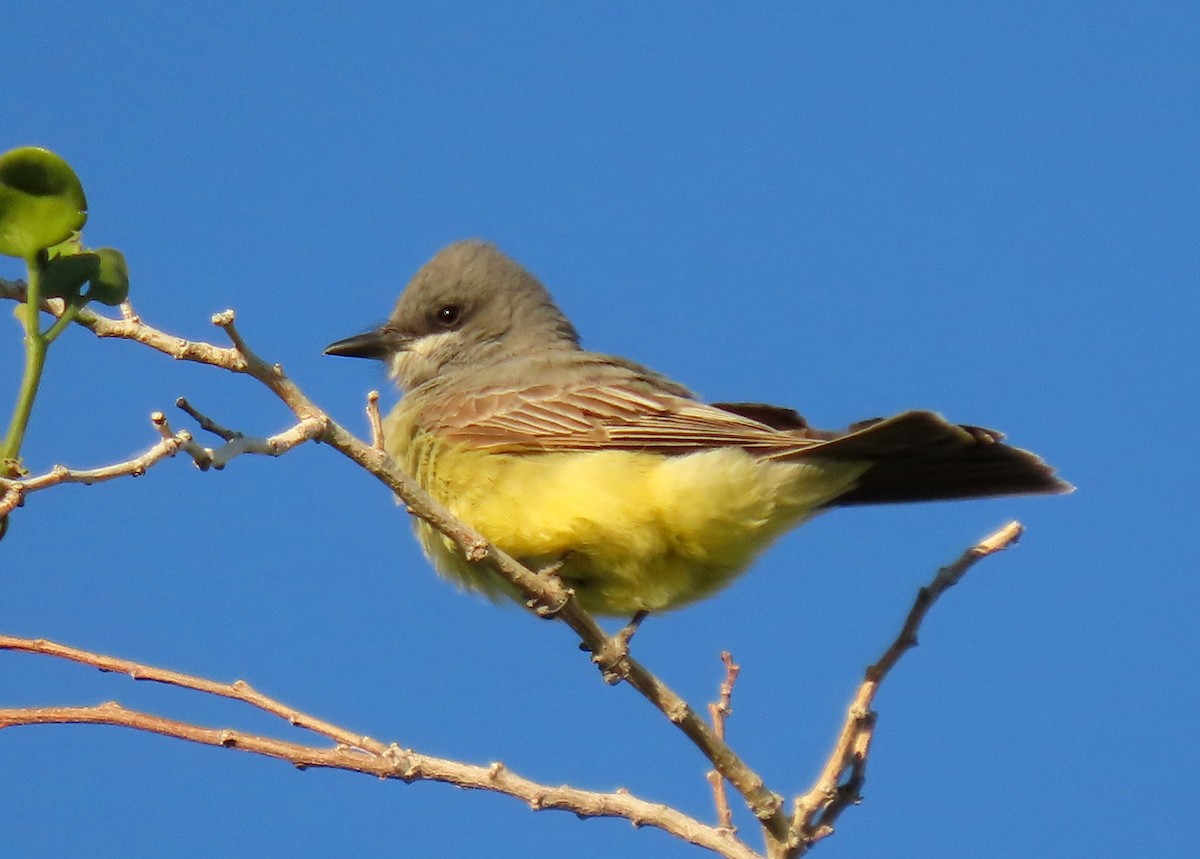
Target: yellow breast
[638,530]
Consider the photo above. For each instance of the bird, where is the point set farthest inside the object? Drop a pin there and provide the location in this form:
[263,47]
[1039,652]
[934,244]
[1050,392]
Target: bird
[639,495]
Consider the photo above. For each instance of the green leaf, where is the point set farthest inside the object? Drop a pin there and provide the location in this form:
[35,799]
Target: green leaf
[110,285]
[63,276]
[41,201]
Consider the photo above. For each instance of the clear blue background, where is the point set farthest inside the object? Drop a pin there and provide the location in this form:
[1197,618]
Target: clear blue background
[986,209]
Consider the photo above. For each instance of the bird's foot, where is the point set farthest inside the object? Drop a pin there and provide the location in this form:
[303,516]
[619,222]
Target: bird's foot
[611,658]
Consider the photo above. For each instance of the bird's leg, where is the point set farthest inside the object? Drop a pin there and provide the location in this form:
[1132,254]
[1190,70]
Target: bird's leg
[555,567]
[630,629]
[610,659]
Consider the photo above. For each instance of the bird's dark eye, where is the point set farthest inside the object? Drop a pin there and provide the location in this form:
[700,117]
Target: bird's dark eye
[448,316]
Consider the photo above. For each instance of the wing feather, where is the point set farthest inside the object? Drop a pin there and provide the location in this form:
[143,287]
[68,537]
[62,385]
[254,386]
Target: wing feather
[597,416]
[914,455]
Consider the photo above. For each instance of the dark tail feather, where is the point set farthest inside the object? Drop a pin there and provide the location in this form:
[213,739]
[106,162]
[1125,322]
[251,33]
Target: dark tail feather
[919,456]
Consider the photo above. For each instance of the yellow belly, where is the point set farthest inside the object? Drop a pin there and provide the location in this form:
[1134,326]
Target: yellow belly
[639,530]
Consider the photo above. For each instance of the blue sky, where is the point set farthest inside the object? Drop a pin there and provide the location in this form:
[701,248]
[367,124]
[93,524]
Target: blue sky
[988,210]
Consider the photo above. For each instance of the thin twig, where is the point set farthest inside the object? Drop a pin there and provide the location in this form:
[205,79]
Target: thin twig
[719,712]
[239,443]
[239,690]
[352,751]
[840,783]
[375,420]
[206,423]
[15,490]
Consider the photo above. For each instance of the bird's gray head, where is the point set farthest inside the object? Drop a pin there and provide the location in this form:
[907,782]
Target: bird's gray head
[468,307]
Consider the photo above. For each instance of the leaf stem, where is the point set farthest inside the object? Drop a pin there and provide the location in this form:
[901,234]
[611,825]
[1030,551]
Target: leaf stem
[35,362]
[68,316]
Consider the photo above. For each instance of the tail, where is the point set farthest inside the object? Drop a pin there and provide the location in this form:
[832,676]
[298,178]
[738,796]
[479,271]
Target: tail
[919,456]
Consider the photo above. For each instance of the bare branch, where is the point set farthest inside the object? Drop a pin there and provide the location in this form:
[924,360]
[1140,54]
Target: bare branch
[239,690]
[239,443]
[206,423]
[352,751]
[719,712]
[15,490]
[130,327]
[840,783]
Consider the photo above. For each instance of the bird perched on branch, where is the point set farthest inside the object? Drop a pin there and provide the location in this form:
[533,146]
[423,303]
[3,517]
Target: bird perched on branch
[645,497]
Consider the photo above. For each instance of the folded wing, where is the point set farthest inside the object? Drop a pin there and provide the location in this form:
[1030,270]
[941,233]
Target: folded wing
[914,456]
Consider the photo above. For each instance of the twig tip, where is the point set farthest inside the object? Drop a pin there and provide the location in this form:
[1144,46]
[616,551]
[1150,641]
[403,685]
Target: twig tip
[1001,539]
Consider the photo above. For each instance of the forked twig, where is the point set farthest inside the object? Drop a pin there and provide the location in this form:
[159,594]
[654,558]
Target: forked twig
[351,751]
[719,712]
[840,783]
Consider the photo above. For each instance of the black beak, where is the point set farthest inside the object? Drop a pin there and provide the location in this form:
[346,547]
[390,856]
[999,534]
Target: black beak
[378,344]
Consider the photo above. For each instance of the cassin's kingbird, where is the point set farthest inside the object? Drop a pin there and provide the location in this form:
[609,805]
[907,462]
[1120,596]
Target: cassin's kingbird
[648,498]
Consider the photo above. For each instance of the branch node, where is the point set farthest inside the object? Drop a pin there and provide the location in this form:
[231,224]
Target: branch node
[767,805]
[678,713]
[612,656]
[401,761]
[550,610]
[476,550]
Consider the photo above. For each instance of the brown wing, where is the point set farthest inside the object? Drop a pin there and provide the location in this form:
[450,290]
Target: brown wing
[914,456]
[598,416]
